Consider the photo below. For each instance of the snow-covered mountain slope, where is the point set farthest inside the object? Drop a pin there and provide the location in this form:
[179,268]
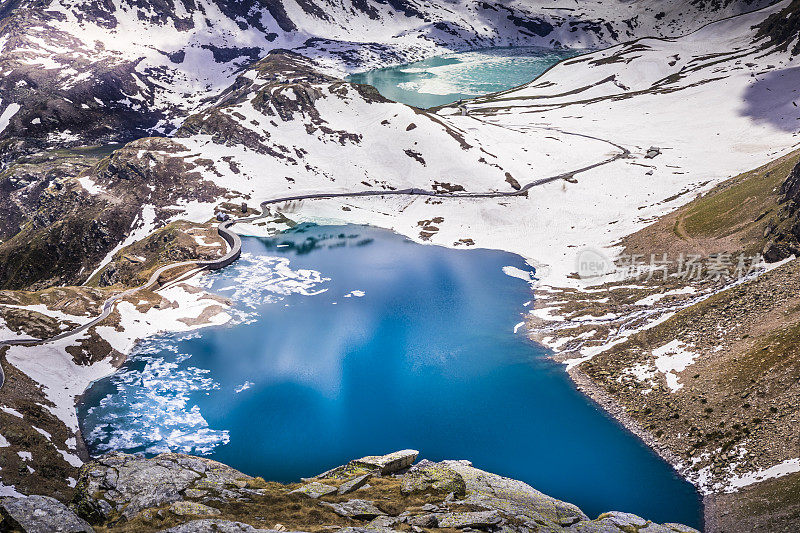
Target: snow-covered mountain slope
[83,72]
[285,127]
[281,129]
[715,101]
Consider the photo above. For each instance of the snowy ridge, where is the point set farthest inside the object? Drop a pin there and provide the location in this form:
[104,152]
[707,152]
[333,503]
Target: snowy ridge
[286,130]
[113,71]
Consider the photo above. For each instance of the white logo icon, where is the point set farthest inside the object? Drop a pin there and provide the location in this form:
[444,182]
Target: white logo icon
[593,263]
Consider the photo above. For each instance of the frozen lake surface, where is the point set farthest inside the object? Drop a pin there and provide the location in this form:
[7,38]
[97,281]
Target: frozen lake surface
[444,79]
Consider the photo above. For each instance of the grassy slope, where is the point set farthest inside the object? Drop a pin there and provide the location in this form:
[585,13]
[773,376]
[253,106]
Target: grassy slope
[732,217]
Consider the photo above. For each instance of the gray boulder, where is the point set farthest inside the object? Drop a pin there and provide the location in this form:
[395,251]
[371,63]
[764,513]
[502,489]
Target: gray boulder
[385,522]
[433,476]
[367,529]
[355,509]
[40,514]
[680,528]
[595,526]
[194,493]
[479,519]
[655,528]
[372,464]
[624,519]
[315,489]
[389,463]
[354,484]
[512,497]
[192,509]
[617,521]
[428,520]
[216,526]
[120,486]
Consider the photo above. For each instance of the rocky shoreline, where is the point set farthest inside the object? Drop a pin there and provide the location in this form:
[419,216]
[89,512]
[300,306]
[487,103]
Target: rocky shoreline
[712,506]
[610,406]
[616,411]
[173,493]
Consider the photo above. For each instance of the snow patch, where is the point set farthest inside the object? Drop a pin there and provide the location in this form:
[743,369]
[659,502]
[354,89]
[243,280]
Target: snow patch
[653,298]
[7,115]
[515,272]
[11,411]
[790,466]
[71,458]
[672,358]
[62,379]
[9,491]
[46,435]
[90,186]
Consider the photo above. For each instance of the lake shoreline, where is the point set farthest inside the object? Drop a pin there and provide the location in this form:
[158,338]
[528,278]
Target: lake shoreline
[710,508]
[615,445]
[609,405]
[614,410]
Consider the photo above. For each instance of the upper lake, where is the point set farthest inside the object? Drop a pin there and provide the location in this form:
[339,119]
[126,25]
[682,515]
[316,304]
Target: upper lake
[351,341]
[447,78]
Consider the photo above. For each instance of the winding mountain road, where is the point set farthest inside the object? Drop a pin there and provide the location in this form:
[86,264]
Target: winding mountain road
[235,242]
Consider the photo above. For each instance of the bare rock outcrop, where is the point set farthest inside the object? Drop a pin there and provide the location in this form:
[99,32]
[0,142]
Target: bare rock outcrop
[173,493]
[39,514]
[120,486]
[784,232]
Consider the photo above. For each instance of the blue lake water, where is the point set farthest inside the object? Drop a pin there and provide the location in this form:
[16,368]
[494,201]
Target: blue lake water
[445,79]
[351,341]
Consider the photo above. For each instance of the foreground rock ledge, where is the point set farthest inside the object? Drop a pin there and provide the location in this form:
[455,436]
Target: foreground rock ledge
[377,494]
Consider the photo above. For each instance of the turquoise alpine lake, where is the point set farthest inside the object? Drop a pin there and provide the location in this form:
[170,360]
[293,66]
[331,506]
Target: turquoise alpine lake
[351,340]
[447,78]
